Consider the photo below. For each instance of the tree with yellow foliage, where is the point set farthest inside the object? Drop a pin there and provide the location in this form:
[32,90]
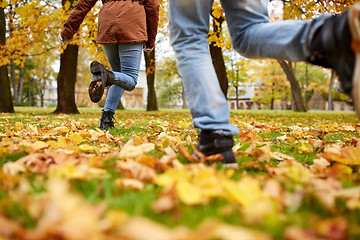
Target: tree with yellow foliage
[6,104]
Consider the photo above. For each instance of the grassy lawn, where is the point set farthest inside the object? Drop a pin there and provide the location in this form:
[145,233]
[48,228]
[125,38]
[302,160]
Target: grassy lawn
[297,177]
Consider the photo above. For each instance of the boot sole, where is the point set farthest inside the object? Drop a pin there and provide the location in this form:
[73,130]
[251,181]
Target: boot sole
[96,90]
[354,24]
[97,86]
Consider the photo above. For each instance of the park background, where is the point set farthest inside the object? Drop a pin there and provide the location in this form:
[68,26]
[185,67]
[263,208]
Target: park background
[37,71]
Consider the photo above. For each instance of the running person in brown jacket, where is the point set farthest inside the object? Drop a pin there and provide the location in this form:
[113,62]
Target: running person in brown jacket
[125,27]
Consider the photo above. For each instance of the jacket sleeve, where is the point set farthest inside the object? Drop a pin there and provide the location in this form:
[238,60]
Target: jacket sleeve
[76,17]
[152,20]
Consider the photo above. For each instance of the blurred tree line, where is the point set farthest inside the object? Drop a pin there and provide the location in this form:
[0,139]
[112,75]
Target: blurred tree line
[30,50]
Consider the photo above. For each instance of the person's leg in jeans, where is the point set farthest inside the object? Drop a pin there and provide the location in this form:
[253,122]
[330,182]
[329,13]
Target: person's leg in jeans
[324,41]
[124,60]
[189,26]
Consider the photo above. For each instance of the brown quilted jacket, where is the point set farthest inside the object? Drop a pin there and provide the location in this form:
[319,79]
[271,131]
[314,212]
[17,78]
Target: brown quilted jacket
[120,21]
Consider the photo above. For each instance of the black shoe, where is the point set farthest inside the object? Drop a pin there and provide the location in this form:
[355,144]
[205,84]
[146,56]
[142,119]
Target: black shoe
[212,142]
[101,78]
[336,45]
[106,120]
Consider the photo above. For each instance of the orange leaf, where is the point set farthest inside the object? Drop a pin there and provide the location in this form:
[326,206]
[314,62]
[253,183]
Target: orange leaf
[187,155]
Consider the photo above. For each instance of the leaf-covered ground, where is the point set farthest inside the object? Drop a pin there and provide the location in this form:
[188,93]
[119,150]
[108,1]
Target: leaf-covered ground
[298,177]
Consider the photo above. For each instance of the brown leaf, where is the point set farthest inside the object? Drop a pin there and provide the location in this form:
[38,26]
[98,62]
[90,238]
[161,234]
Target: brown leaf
[282,156]
[166,201]
[136,170]
[147,160]
[297,233]
[347,155]
[140,228]
[214,158]
[9,229]
[334,228]
[263,154]
[187,154]
[130,183]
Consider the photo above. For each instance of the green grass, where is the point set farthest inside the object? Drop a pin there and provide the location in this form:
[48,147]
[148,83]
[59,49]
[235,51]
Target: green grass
[149,125]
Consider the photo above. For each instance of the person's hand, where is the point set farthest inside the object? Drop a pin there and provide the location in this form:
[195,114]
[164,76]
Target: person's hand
[148,49]
[64,40]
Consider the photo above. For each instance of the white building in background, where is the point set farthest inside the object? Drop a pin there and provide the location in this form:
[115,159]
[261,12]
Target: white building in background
[136,99]
[244,100]
[50,95]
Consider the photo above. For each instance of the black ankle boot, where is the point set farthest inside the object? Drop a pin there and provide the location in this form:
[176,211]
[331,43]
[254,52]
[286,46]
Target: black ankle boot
[332,46]
[213,142]
[101,78]
[106,120]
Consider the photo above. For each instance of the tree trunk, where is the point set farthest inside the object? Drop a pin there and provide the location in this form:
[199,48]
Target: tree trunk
[295,87]
[66,81]
[20,86]
[29,92]
[152,104]
[217,57]
[219,65]
[67,77]
[6,103]
[330,99]
[307,84]
[183,97]
[272,97]
[237,96]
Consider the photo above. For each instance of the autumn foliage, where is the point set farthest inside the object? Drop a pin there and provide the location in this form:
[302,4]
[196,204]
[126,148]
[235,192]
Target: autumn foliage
[62,178]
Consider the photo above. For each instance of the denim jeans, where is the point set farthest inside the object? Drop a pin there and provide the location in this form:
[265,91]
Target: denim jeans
[124,59]
[252,36]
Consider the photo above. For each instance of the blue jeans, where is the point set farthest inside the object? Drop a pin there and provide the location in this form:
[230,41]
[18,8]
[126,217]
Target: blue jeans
[252,36]
[124,59]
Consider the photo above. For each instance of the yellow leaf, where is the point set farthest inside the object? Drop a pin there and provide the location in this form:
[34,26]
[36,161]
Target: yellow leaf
[18,126]
[2,151]
[39,145]
[52,144]
[189,194]
[298,173]
[62,142]
[217,12]
[258,210]
[164,180]
[32,128]
[87,148]
[76,138]
[233,191]
[183,124]
[245,192]
[61,130]
[104,150]
[131,151]
[67,171]
[115,218]
[306,148]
